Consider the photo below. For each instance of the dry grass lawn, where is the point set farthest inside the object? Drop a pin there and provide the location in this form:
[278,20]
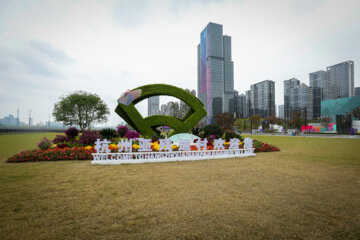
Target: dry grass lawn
[309,190]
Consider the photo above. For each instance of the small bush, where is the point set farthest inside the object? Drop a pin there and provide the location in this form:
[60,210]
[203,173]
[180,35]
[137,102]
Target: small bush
[132,134]
[122,130]
[108,133]
[229,135]
[89,137]
[213,129]
[44,144]
[195,131]
[72,132]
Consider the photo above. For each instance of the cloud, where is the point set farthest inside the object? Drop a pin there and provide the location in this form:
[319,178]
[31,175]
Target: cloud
[52,53]
[130,13]
[51,48]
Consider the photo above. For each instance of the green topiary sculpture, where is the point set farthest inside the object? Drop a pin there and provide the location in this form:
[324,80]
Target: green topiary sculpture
[146,126]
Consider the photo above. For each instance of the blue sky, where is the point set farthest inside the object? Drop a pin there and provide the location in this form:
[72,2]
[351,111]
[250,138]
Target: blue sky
[52,48]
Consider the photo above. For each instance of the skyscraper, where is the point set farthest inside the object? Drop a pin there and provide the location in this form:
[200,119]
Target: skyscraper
[247,103]
[357,91]
[301,100]
[288,84]
[319,79]
[281,111]
[215,71]
[340,80]
[262,97]
[153,105]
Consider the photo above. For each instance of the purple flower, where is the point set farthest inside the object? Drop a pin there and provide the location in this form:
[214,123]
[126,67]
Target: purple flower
[132,134]
[122,130]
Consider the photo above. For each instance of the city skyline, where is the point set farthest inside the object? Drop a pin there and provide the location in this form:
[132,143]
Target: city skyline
[52,49]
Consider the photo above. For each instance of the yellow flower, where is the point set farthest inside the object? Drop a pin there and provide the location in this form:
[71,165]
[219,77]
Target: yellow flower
[113,146]
[54,146]
[174,146]
[226,143]
[88,147]
[135,146]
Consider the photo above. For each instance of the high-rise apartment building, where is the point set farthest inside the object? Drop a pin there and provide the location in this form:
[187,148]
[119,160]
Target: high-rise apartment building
[301,100]
[281,111]
[319,79]
[248,103]
[215,71]
[299,97]
[340,80]
[357,91]
[262,98]
[153,105]
[239,105]
[288,84]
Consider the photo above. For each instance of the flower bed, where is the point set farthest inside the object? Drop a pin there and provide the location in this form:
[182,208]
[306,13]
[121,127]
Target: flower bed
[264,147]
[84,153]
[72,147]
[53,154]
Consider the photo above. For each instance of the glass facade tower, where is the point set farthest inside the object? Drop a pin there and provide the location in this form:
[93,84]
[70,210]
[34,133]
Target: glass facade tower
[153,105]
[262,97]
[288,84]
[340,80]
[215,71]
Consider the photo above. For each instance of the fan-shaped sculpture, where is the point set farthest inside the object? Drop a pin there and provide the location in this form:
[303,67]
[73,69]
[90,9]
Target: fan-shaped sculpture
[146,126]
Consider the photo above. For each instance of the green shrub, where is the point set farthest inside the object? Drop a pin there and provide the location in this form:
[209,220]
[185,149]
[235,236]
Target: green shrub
[213,129]
[108,133]
[195,131]
[229,135]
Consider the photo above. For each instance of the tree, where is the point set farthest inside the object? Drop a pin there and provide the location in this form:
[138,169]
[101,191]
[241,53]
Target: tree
[255,121]
[295,121]
[225,120]
[356,112]
[273,120]
[82,109]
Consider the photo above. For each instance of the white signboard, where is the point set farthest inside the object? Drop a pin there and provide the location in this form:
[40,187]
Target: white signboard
[165,152]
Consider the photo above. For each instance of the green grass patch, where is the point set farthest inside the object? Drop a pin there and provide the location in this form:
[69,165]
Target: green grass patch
[297,193]
[11,144]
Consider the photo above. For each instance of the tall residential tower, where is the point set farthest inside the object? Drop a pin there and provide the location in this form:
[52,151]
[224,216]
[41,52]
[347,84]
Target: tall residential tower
[262,97]
[340,80]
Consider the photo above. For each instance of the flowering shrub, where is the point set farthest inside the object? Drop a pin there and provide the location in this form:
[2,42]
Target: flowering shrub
[44,144]
[63,145]
[55,154]
[72,132]
[122,130]
[264,147]
[113,147]
[89,137]
[132,134]
[59,139]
